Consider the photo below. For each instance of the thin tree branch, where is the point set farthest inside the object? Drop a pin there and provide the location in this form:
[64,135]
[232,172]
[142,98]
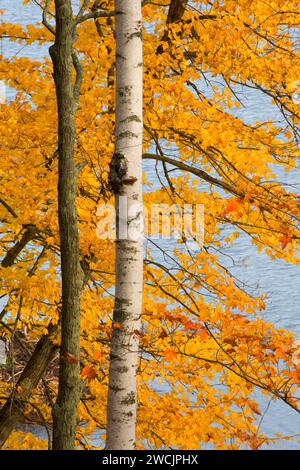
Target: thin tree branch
[83,8]
[195,171]
[94,15]
[13,253]
[45,20]
[10,210]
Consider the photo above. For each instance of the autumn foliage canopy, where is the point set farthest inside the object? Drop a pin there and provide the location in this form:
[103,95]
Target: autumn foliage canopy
[205,345]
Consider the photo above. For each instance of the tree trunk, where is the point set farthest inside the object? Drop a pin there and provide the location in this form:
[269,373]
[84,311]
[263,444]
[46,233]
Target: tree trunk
[126,182]
[35,369]
[69,390]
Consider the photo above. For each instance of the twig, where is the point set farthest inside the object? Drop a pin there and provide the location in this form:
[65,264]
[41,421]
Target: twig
[45,21]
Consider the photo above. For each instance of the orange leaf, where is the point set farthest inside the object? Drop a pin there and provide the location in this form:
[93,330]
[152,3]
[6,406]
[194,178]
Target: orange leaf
[70,358]
[295,376]
[192,326]
[285,240]
[254,443]
[170,355]
[203,334]
[97,355]
[88,372]
[231,206]
[280,353]
[255,409]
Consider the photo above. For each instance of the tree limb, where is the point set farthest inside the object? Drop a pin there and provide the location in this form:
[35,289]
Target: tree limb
[12,409]
[94,15]
[14,252]
[45,20]
[195,171]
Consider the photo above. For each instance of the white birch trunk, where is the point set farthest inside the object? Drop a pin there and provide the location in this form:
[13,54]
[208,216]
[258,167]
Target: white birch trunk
[126,182]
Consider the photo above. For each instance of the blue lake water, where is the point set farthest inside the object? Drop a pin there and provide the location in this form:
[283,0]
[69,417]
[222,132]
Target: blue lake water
[279,280]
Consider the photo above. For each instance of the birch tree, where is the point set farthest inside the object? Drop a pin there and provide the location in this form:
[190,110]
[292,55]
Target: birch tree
[126,182]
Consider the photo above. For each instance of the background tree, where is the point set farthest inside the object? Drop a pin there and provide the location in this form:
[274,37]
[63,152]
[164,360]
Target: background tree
[69,390]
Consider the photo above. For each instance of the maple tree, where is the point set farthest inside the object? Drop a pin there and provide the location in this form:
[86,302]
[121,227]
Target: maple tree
[204,343]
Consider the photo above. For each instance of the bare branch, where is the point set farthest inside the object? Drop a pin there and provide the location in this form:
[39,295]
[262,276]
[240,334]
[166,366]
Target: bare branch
[45,20]
[14,252]
[10,210]
[94,15]
[83,8]
[195,171]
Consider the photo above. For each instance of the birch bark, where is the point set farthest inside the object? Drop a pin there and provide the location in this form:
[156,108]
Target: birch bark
[126,182]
